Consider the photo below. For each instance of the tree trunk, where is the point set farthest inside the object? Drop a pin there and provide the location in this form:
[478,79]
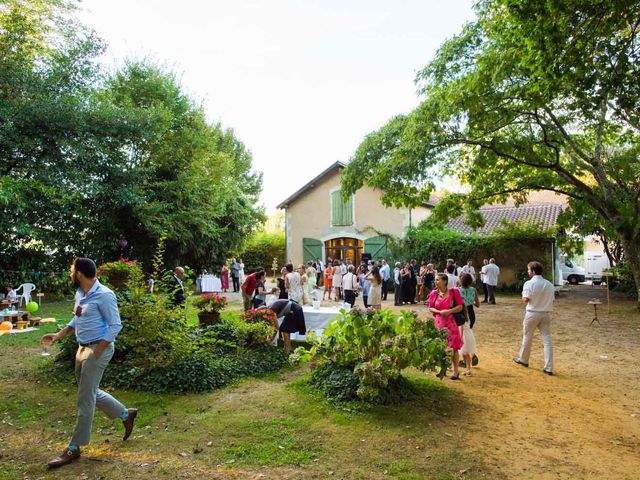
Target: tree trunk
[632,255]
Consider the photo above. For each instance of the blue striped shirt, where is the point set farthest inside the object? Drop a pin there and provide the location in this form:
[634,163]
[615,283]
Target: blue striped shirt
[99,318]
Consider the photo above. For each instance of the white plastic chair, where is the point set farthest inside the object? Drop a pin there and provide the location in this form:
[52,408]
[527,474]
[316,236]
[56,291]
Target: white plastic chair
[24,297]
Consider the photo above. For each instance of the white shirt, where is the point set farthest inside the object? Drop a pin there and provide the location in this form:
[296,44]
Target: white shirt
[470,270]
[384,272]
[11,296]
[343,269]
[396,276]
[349,282]
[540,293]
[452,279]
[491,273]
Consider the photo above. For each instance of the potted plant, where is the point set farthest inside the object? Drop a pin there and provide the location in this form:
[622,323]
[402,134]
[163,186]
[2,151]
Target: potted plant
[210,305]
[117,274]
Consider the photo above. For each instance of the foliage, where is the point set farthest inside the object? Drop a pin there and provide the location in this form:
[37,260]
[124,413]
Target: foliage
[117,274]
[622,280]
[261,248]
[260,315]
[88,159]
[377,345]
[530,96]
[209,302]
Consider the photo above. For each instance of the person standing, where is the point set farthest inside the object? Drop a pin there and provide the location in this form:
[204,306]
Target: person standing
[385,273]
[96,324]
[491,272]
[350,286]
[293,284]
[336,280]
[485,262]
[443,303]
[224,278]
[283,295]
[179,296]
[364,283]
[397,285]
[310,285]
[452,278]
[240,270]
[319,270]
[235,275]
[538,295]
[375,289]
[249,286]
[468,268]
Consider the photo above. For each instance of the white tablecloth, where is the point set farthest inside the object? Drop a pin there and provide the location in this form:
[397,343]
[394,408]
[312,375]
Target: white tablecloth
[316,320]
[211,283]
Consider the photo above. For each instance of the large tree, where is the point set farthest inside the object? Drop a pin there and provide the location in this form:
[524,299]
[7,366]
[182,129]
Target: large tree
[533,95]
[87,159]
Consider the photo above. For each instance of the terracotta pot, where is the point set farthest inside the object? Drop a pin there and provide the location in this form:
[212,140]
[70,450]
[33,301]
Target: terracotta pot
[208,318]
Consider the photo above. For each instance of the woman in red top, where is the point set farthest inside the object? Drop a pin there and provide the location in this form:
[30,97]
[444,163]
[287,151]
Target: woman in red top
[443,303]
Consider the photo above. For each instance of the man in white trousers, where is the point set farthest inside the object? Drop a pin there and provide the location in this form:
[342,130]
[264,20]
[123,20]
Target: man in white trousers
[538,295]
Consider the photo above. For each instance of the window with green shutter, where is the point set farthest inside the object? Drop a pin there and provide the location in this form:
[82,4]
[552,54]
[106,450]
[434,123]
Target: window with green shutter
[341,211]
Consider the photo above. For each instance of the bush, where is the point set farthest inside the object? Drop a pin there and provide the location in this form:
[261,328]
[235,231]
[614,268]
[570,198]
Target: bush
[376,346]
[117,275]
[261,248]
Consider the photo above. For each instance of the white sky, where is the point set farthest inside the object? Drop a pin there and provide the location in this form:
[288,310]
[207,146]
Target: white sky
[300,82]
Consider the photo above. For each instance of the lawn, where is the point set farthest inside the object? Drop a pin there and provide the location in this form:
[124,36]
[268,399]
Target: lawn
[273,427]
[503,422]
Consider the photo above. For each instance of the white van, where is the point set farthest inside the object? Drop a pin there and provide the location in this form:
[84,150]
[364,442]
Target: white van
[596,262]
[572,273]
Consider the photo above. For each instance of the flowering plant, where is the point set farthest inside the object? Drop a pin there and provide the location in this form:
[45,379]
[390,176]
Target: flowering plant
[260,315]
[210,302]
[117,274]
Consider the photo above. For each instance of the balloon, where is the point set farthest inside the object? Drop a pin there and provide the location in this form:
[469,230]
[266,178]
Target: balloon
[32,307]
[7,326]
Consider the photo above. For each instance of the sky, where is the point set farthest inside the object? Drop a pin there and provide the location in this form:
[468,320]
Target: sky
[300,82]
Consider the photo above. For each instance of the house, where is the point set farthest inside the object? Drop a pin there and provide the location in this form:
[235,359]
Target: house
[541,211]
[320,224]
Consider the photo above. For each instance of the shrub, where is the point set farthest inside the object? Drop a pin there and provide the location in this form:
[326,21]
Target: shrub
[209,302]
[377,345]
[261,248]
[118,274]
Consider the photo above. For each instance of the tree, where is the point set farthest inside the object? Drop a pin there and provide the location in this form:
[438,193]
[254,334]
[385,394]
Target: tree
[87,159]
[531,96]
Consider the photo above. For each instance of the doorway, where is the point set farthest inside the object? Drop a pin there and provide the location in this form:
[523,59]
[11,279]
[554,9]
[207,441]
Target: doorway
[343,248]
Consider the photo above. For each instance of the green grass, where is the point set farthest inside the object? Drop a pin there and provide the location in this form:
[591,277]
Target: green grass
[276,426]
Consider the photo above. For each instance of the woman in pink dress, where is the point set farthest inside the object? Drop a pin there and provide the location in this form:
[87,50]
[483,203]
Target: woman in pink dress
[224,278]
[443,303]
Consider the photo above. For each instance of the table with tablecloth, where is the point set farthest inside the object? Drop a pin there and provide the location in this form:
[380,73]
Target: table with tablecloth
[316,320]
[211,283]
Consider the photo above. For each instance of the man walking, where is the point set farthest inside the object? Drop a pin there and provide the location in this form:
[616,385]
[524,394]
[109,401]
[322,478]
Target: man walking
[538,295]
[491,272]
[96,324]
[385,273]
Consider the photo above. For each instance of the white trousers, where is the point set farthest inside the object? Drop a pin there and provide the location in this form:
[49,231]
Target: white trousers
[533,320]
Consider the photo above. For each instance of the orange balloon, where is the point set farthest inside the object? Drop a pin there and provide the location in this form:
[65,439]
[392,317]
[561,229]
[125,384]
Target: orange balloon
[6,326]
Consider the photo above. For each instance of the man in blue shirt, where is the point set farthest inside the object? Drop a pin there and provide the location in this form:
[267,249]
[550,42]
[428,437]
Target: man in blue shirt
[96,324]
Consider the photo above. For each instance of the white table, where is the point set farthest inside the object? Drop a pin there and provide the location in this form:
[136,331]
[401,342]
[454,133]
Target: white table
[211,283]
[316,320]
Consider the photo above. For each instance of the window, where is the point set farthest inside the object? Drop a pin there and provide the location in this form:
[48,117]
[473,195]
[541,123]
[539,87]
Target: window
[341,211]
[568,263]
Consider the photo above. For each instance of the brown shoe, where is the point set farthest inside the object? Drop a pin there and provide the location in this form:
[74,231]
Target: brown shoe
[128,423]
[67,456]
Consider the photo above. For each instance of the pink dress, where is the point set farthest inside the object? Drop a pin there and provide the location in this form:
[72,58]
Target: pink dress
[224,279]
[447,321]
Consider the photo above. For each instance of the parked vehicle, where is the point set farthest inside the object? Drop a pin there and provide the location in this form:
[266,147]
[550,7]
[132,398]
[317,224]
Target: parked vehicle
[596,262]
[572,273]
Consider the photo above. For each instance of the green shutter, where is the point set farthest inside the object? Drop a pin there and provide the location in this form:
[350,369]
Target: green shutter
[347,212]
[376,246]
[311,249]
[336,208]
[341,212]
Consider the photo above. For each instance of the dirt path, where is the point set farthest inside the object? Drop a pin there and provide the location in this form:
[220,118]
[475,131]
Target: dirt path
[584,422]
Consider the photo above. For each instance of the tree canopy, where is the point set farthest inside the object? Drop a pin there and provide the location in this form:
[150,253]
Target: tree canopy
[530,96]
[88,159]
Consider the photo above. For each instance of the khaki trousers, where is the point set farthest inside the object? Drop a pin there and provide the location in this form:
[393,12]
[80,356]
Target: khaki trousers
[541,321]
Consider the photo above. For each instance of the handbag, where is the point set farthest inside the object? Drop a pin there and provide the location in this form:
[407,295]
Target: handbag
[461,316]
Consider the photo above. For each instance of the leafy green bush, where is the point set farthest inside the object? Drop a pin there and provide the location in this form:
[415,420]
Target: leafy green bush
[376,345]
[261,248]
[623,280]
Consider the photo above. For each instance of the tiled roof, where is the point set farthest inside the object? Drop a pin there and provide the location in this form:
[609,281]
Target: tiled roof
[543,214]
